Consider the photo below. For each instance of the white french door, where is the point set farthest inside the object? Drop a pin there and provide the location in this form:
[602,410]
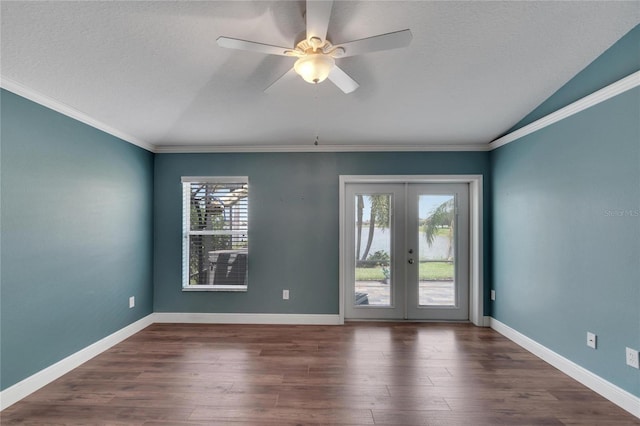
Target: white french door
[407,254]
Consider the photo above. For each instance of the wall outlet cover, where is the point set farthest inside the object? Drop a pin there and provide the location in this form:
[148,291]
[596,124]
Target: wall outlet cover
[285,294]
[132,301]
[493,295]
[632,358]
[591,340]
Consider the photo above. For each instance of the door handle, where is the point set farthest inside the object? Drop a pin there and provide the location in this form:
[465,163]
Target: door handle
[410,261]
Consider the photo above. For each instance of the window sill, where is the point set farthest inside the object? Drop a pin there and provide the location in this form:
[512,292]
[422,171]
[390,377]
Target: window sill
[228,288]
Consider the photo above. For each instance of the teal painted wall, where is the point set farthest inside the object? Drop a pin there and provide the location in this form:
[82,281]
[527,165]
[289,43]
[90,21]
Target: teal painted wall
[566,236]
[566,223]
[620,60]
[294,235]
[76,236]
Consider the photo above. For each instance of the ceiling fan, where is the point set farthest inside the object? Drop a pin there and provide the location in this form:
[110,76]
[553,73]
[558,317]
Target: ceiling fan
[316,54]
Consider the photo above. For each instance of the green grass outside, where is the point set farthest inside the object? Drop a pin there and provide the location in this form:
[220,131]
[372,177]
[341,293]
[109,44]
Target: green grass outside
[428,271]
[442,232]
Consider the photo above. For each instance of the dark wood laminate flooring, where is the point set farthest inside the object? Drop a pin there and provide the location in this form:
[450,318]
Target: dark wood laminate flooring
[357,374]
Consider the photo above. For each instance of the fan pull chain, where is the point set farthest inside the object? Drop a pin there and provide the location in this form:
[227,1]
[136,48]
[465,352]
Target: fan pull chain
[317,101]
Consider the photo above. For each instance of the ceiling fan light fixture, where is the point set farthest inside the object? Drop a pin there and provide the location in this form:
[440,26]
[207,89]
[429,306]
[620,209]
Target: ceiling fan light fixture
[314,67]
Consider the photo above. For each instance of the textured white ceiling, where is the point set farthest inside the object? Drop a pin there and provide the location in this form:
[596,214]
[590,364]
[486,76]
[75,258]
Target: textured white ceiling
[153,72]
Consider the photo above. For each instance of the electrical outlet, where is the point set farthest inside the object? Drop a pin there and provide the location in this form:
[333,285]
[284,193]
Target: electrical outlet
[632,358]
[591,340]
[493,295]
[132,301]
[285,294]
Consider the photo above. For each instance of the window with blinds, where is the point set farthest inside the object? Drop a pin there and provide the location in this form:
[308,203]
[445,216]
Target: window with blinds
[215,224]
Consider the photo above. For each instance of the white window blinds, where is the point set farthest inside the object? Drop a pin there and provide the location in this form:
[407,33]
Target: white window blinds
[215,221]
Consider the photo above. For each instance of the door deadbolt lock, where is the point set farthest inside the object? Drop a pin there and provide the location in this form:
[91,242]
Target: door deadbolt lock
[410,251]
[410,261]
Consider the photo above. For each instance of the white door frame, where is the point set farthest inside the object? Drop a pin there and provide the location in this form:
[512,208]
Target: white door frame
[476,282]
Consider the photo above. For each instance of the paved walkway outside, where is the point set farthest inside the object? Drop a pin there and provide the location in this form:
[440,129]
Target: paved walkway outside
[439,293]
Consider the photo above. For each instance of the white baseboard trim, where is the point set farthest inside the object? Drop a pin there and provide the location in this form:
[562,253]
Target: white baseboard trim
[15,393]
[22,389]
[613,393]
[486,321]
[232,318]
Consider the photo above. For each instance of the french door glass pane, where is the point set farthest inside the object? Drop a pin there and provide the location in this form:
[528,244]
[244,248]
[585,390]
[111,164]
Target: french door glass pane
[373,278]
[436,273]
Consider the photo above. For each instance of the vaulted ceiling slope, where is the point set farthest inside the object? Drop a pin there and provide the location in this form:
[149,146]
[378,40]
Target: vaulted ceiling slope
[152,73]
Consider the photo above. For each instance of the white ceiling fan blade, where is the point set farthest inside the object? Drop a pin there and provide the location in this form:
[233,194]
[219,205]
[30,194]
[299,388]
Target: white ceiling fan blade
[318,14]
[287,76]
[377,43]
[342,80]
[234,43]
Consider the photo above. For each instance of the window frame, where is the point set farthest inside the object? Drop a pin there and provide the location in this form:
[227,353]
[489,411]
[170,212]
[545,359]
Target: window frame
[186,182]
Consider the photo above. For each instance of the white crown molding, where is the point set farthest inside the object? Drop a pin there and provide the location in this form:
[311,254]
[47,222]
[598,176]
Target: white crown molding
[44,100]
[614,89]
[233,318]
[55,105]
[588,101]
[20,390]
[613,393]
[196,149]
